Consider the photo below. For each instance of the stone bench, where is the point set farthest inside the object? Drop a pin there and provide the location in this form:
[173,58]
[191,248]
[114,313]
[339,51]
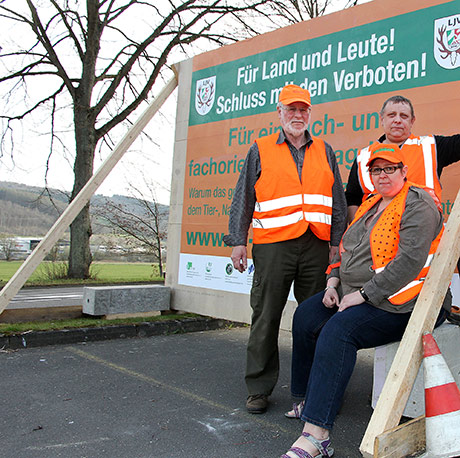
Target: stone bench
[126,300]
[447,337]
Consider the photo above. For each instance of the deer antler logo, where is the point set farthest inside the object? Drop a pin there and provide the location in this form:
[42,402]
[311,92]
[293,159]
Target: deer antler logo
[447,41]
[205,95]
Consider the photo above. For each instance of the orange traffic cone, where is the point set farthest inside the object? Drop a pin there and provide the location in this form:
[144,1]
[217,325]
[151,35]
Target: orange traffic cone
[442,404]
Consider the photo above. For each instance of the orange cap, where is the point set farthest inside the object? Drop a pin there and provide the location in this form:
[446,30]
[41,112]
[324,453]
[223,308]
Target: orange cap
[293,93]
[388,151]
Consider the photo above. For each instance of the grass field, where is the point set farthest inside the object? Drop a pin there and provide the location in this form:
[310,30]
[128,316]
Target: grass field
[48,273]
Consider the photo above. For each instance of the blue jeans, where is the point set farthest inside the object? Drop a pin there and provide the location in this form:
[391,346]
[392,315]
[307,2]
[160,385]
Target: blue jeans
[325,344]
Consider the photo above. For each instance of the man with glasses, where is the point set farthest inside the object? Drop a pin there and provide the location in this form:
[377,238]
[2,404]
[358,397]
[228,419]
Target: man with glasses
[291,191]
[425,156]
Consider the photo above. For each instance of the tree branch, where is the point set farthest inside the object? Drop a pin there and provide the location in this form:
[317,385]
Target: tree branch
[43,38]
[69,28]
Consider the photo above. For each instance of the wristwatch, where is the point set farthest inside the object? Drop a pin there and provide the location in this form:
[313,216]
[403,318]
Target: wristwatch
[329,287]
[363,293]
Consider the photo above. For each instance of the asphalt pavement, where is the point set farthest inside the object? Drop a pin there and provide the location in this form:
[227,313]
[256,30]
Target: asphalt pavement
[55,296]
[165,396]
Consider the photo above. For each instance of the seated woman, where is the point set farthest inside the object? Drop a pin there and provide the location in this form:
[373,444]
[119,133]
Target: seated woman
[372,286]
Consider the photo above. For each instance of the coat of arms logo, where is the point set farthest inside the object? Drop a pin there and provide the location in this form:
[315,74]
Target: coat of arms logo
[447,41]
[205,95]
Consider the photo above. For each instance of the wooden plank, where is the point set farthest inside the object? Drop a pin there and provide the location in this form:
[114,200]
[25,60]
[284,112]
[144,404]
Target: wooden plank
[55,233]
[406,363]
[404,440]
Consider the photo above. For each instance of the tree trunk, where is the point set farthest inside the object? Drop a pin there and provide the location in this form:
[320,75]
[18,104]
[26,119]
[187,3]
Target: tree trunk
[80,230]
[80,254]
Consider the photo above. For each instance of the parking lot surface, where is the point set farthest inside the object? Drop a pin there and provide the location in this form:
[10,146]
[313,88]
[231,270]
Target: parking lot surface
[174,396]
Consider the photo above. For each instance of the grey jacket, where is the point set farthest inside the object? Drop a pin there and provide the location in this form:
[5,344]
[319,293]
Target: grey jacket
[420,224]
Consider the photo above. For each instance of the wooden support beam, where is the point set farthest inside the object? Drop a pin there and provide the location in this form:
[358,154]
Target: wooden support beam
[83,197]
[404,440]
[406,363]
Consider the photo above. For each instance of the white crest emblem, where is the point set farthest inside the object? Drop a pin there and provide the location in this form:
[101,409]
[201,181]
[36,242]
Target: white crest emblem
[447,41]
[205,94]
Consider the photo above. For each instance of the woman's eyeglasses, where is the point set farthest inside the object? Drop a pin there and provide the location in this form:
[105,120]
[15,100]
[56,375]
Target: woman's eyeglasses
[388,170]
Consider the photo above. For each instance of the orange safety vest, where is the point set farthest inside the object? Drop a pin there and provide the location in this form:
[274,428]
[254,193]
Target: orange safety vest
[384,242]
[285,206]
[419,156]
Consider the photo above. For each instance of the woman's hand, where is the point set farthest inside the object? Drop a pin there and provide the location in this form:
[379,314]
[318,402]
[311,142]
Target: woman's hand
[350,300]
[332,252]
[331,298]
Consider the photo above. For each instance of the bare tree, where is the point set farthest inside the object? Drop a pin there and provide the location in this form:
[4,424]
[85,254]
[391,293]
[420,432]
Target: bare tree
[142,222]
[301,10]
[89,65]
[7,246]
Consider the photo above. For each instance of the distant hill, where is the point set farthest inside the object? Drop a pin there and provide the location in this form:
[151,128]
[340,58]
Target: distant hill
[30,211]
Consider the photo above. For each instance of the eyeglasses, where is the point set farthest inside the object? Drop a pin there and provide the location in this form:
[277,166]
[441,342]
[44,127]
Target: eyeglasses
[292,110]
[388,170]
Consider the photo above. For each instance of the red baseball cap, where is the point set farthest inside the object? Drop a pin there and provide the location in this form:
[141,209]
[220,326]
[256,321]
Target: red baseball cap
[293,93]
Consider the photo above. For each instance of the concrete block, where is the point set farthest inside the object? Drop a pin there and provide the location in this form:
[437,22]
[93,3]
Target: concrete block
[127,299]
[447,337]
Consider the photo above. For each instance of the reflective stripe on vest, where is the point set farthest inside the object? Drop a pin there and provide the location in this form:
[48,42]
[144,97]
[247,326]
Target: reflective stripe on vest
[406,293]
[298,199]
[318,218]
[281,202]
[426,142]
[363,174]
[286,206]
[429,259]
[424,148]
[277,221]
[317,199]
[416,285]
[280,221]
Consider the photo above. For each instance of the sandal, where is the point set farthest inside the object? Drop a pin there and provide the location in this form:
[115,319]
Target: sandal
[324,448]
[296,411]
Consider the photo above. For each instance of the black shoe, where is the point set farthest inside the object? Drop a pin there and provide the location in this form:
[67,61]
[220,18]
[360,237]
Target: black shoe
[257,403]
